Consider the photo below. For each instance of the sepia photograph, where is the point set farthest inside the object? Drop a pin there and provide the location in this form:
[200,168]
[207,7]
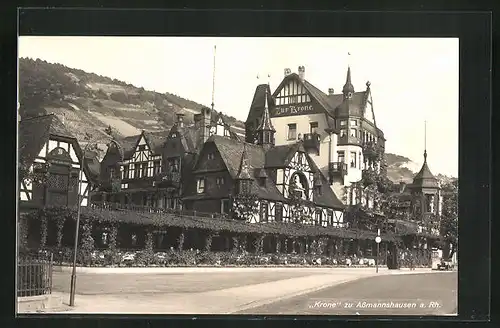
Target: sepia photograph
[237,175]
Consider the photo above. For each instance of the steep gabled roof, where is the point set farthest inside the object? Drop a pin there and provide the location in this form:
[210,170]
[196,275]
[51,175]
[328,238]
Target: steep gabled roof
[265,122]
[34,132]
[424,178]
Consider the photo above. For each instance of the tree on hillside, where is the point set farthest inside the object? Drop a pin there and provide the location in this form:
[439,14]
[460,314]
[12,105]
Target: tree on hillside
[449,215]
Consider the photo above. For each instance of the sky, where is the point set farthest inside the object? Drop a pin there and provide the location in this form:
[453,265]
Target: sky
[413,80]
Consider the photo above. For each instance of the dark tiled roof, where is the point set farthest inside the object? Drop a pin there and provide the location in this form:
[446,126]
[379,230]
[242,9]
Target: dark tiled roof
[260,96]
[424,178]
[243,171]
[279,156]
[233,151]
[265,122]
[35,131]
[348,87]
[354,106]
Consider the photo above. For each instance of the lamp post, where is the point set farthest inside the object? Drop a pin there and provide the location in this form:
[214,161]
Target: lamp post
[377,240]
[79,206]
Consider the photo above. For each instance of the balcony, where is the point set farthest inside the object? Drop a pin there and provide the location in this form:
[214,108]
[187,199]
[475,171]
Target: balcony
[312,141]
[371,150]
[168,179]
[337,170]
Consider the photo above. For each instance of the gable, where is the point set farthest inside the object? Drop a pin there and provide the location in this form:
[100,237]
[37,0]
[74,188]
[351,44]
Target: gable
[142,151]
[220,128]
[210,158]
[294,97]
[368,113]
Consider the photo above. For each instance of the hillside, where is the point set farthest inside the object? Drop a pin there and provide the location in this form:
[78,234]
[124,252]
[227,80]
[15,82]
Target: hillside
[89,104]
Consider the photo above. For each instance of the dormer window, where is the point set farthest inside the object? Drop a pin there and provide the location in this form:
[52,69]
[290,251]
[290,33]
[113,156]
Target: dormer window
[219,181]
[210,156]
[200,186]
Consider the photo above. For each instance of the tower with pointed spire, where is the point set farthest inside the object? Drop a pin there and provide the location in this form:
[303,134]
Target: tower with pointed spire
[265,131]
[244,178]
[348,89]
[425,190]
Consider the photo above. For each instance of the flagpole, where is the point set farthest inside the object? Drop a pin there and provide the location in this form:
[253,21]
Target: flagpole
[213,79]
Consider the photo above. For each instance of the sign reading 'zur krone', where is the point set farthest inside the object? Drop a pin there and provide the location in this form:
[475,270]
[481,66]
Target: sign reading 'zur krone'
[293,110]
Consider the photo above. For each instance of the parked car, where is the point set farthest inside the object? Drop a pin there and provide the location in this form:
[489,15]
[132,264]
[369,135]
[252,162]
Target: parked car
[445,265]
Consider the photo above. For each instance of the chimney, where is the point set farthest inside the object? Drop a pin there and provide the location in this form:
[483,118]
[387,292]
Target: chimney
[180,120]
[203,121]
[331,92]
[302,72]
[287,72]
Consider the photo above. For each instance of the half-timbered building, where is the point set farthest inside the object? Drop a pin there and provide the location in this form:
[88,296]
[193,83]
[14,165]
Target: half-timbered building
[227,167]
[49,158]
[338,130]
[154,169]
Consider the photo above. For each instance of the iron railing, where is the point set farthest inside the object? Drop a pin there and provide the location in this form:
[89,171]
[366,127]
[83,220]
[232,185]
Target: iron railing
[34,273]
[152,209]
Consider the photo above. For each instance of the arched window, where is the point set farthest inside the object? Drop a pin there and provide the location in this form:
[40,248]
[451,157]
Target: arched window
[299,185]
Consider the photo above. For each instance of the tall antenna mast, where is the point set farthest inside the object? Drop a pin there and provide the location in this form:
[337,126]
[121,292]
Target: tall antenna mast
[425,141]
[213,79]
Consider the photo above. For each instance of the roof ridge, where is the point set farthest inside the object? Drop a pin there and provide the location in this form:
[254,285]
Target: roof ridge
[37,117]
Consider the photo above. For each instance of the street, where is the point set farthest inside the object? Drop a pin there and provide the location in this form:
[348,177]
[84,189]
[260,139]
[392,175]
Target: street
[240,291]
[439,290]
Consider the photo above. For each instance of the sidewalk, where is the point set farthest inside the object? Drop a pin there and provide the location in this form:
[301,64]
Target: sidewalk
[223,301]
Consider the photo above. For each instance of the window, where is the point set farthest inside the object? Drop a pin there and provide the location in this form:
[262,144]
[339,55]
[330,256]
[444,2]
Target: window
[343,123]
[111,172]
[157,167]
[173,165]
[353,133]
[292,131]
[137,171]
[200,186]
[318,218]
[342,133]
[353,159]
[314,127]
[294,99]
[211,156]
[141,147]
[219,181]
[224,206]
[263,212]
[330,217]
[354,123]
[341,156]
[125,172]
[131,173]
[144,169]
[278,212]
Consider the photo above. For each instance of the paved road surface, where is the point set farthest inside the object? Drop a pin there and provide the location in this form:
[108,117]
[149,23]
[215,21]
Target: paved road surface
[124,283]
[418,288]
